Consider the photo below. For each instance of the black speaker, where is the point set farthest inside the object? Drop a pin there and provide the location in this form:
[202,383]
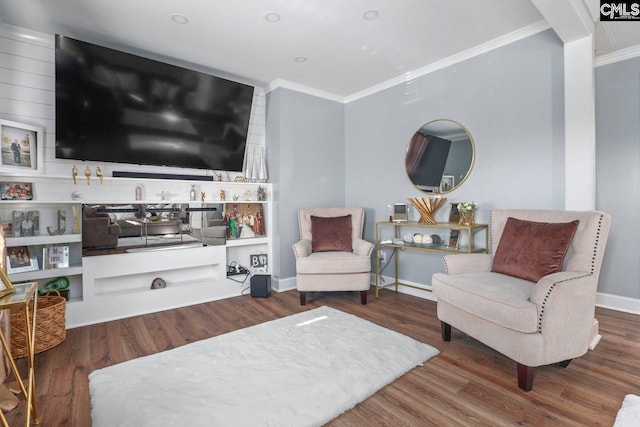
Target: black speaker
[260,285]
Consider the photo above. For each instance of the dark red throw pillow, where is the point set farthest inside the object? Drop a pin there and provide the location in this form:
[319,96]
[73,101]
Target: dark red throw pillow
[531,250]
[331,233]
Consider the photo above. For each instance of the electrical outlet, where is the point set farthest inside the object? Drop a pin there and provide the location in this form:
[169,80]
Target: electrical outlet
[382,256]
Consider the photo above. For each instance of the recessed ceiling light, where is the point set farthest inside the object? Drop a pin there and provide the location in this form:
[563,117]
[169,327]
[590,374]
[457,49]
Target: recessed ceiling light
[272,17]
[179,19]
[370,14]
[300,59]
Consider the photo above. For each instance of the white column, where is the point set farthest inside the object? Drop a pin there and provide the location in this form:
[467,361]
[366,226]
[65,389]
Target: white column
[580,135]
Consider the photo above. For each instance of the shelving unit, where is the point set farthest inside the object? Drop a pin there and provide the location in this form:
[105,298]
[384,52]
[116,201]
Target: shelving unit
[48,217]
[395,230]
[113,286]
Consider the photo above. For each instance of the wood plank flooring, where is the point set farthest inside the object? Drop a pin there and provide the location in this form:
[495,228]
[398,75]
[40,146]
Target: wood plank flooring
[467,384]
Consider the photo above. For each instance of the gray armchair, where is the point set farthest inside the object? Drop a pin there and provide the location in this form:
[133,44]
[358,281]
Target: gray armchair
[331,254]
[528,299]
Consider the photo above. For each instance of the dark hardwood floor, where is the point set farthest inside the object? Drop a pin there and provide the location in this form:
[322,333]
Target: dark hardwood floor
[467,384]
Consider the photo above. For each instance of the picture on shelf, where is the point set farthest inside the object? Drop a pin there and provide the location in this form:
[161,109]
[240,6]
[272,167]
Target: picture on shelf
[20,260]
[454,216]
[453,238]
[56,256]
[19,147]
[16,191]
[245,220]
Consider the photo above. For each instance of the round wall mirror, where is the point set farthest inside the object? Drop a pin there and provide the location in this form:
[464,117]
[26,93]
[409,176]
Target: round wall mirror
[440,156]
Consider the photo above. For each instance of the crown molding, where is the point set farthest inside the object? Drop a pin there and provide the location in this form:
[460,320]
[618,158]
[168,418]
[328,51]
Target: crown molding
[617,56]
[285,84]
[496,43]
[25,35]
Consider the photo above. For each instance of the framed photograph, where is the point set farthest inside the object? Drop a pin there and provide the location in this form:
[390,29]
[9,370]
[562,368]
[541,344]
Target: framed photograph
[16,190]
[56,256]
[454,216]
[20,260]
[453,238]
[447,183]
[22,148]
[245,220]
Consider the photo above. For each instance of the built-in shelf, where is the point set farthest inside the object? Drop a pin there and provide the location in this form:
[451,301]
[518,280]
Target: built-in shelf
[246,242]
[43,239]
[46,273]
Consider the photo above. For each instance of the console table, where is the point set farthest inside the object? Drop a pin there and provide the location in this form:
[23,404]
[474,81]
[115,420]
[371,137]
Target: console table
[393,231]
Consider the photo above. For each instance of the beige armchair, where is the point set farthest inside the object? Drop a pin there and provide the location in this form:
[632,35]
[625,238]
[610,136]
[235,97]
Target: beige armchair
[331,254]
[532,298]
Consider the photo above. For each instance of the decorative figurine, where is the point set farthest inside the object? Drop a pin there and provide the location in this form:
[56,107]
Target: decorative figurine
[247,195]
[203,196]
[99,174]
[236,198]
[219,177]
[223,195]
[262,194]
[87,173]
[74,173]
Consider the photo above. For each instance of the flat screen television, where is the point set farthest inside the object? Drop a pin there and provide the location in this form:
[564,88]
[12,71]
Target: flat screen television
[112,106]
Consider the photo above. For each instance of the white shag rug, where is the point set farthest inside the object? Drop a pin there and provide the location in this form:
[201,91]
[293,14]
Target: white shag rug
[629,413]
[300,370]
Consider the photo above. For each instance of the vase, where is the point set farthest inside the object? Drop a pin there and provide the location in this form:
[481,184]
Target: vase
[467,218]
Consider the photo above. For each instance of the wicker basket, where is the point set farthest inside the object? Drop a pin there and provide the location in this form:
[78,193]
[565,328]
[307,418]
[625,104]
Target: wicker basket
[50,325]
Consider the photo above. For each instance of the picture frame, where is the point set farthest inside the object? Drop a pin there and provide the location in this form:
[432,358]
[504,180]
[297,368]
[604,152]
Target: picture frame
[20,260]
[55,256]
[245,220]
[21,148]
[447,183]
[454,215]
[453,238]
[11,190]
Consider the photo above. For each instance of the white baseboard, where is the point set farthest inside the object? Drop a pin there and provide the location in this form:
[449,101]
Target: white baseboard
[612,302]
[618,303]
[282,285]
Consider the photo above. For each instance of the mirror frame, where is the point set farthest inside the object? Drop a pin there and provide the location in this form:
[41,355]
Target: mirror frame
[472,163]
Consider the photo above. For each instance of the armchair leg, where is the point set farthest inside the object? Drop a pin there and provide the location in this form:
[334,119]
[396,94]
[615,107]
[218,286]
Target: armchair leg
[303,298]
[363,297]
[525,377]
[564,363]
[445,328]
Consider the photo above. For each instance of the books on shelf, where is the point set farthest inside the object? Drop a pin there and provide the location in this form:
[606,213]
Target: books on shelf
[55,256]
[20,260]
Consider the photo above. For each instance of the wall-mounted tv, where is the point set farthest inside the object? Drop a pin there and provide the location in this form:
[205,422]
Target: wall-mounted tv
[112,106]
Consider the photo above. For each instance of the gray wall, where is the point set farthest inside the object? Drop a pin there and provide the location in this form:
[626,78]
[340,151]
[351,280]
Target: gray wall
[306,156]
[618,173]
[511,101]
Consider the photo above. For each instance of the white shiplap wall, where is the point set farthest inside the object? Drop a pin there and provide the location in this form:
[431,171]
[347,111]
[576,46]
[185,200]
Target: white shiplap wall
[27,95]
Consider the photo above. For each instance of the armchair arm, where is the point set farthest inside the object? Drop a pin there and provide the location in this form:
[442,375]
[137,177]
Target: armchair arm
[467,263]
[362,247]
[566,309]
[302,248]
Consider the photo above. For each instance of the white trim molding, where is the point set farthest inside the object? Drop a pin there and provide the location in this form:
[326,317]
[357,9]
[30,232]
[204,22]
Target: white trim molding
[618,303]
[617,56]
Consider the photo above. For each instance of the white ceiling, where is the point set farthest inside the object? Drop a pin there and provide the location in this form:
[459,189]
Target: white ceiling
[345,53]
